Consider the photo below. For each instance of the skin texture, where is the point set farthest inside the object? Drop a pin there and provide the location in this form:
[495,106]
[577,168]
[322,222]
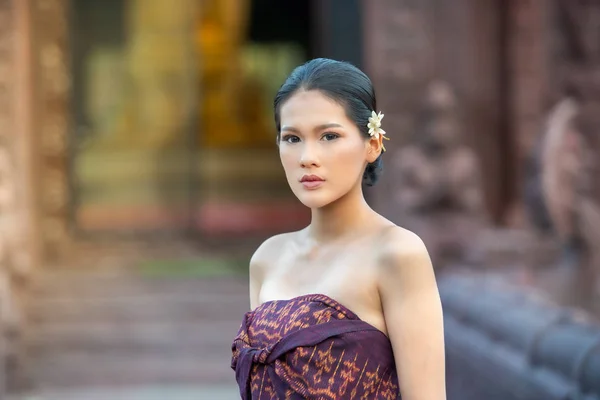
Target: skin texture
[350,253]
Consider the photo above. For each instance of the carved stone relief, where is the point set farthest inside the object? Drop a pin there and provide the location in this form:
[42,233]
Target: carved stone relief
[570,142]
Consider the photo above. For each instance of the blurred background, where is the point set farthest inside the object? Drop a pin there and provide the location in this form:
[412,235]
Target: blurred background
[138,173]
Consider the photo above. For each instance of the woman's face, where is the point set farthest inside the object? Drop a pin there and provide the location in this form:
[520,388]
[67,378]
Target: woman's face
[322,151]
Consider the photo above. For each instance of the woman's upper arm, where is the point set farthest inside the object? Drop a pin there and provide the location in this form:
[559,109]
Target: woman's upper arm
[413,316]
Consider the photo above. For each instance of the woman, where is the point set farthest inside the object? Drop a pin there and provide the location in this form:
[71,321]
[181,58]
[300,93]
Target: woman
[347,308]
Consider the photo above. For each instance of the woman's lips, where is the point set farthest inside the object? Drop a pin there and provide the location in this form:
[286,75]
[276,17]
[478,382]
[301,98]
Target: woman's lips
[312,184]
[311,181]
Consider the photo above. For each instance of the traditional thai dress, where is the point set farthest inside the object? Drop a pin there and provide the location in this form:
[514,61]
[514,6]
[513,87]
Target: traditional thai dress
[312,347]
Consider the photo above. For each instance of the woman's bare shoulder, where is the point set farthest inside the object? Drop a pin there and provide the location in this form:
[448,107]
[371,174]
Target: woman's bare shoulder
[401,248]
[404,267]
[270,251]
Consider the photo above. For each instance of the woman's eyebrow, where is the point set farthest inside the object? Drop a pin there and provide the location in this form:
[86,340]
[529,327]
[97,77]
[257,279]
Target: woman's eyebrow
[327,126]
[317,128]
[289,128]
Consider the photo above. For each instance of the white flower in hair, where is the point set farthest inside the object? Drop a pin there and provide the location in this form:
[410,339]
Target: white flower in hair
[374,124]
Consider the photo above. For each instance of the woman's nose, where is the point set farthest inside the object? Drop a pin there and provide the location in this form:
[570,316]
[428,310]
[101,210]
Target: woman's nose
[309,157]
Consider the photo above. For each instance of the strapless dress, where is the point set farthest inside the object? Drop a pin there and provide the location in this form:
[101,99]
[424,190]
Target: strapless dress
[312,347]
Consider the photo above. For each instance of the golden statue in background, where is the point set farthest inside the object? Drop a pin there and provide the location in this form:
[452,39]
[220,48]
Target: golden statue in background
[232,112]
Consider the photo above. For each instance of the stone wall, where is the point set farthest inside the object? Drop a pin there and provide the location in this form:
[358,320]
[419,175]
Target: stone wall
[17,242]
[493,54]
[410,43]
[52,110]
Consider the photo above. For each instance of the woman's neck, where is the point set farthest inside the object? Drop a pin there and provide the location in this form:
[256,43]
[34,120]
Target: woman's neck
[339,218]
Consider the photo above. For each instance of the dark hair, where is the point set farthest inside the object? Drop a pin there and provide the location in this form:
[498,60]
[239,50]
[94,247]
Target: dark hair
[343,83]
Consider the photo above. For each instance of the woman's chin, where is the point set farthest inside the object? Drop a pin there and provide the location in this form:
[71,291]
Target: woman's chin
[314,200]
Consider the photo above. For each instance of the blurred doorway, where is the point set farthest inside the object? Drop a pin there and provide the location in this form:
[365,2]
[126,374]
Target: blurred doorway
[134,77]
[247,50]
[172,115]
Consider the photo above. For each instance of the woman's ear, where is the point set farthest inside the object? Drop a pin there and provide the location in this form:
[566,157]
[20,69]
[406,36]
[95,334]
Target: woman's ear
[375,147]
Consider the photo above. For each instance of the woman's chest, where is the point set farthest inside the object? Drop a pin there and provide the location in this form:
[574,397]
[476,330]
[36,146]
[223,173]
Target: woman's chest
[332,271]
[300,279]
[350,281]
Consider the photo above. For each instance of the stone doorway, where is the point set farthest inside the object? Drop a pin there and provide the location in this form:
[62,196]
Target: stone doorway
[172,126]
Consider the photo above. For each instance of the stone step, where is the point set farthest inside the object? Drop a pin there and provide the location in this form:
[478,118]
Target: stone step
[68,275]
[79,286]
[79,369]
[117,328]
[145,392]
[141,308]
[143,297]
[134,338]
[200,350]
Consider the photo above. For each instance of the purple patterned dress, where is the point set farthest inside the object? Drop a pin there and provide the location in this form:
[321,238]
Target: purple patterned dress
[312,347]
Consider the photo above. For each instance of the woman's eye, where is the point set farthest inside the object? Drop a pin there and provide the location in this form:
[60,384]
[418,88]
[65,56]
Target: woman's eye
[330,136]
[291,139]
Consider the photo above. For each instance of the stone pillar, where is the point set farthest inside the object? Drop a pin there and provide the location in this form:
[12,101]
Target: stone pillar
[528,68]
[398,56]
[338,30]
[6,121]
[52,110]
[467,40]
[18,240]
